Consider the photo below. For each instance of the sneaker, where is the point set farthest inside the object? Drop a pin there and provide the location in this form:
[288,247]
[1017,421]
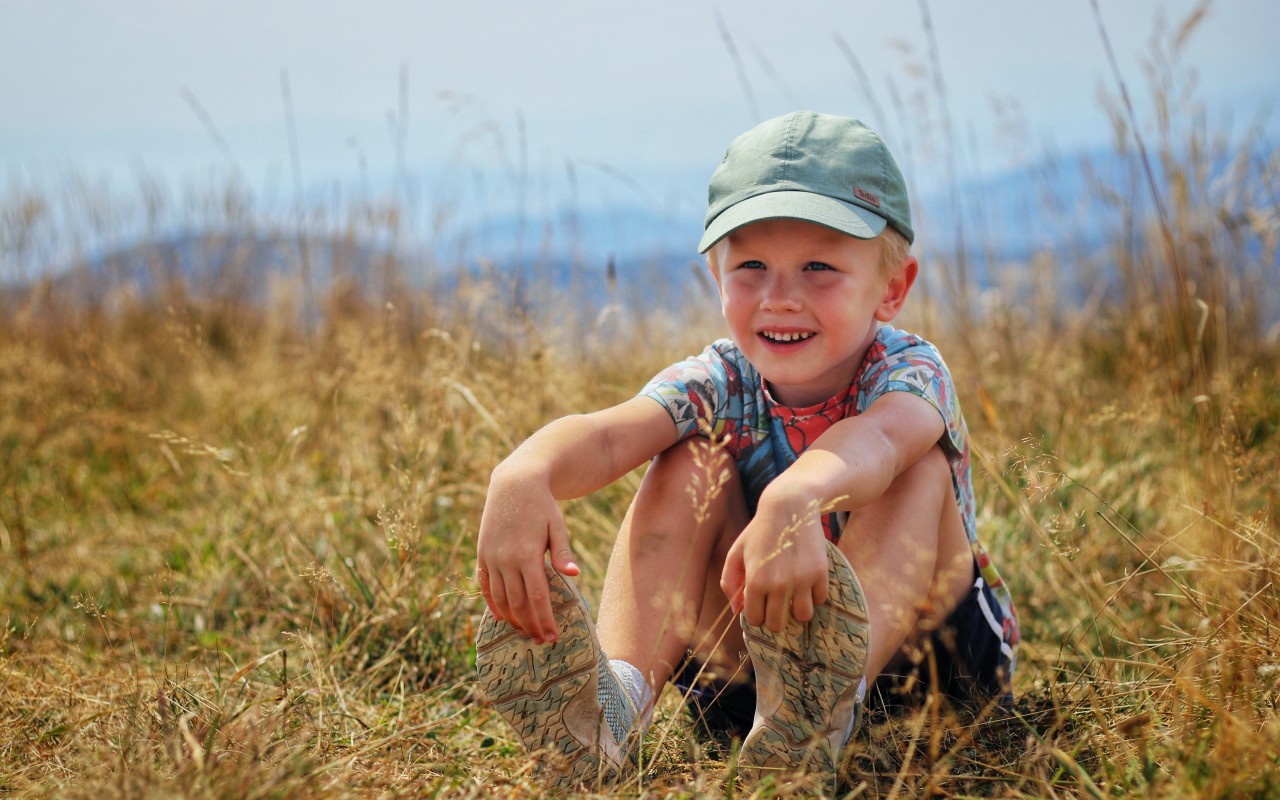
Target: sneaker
[562,698]
[807,683]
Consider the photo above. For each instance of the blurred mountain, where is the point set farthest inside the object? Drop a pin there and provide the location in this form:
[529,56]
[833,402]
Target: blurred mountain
[1070,209]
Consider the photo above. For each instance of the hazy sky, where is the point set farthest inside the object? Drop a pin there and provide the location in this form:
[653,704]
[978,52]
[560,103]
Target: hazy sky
[644,94]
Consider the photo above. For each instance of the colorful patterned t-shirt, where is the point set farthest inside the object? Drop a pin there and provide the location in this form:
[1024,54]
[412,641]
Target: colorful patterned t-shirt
[718,390]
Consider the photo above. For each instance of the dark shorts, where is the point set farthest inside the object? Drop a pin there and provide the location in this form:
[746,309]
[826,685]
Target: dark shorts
[965,660]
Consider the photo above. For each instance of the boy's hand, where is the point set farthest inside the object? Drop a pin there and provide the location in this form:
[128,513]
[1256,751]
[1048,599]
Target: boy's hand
[778,565]
[520,524]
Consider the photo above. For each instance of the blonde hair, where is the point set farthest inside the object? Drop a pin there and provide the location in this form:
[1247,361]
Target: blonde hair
[894,250]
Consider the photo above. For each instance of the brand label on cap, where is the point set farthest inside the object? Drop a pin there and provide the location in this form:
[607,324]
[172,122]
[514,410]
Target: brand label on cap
[865,196]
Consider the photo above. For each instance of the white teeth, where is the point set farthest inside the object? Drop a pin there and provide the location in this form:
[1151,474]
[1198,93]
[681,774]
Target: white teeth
[785,337]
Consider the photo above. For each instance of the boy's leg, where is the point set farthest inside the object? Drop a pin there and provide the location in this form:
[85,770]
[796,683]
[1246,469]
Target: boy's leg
[574,709]
[661,593]
[910,552]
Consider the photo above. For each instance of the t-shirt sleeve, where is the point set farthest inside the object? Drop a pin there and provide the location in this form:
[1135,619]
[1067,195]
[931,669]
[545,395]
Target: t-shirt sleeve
[910,364]
[693,390]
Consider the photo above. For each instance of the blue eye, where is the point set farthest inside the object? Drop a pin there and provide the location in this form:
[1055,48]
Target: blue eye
[751,265]
[817,265]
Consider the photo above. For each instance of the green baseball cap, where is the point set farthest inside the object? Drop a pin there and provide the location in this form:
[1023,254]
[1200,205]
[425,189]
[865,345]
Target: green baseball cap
[831,170]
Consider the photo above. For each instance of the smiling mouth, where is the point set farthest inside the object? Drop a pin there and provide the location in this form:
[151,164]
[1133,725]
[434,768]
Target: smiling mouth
[786,338]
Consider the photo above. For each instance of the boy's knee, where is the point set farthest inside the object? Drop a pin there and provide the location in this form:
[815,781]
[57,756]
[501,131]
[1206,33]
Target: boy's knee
[914,498]
[931,471]
[678,459]
[692,479]
[691,465]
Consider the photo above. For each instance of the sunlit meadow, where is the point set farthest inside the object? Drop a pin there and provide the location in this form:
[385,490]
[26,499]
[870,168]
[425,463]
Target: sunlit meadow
[237,531]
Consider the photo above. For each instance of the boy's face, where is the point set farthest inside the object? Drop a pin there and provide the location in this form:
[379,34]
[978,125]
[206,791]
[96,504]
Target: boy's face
[802,303]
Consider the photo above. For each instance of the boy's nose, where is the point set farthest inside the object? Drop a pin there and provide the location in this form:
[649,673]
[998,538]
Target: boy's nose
[781,294]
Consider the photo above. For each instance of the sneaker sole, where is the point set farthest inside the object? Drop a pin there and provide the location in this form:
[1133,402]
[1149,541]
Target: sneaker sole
[549,693]
[809,673]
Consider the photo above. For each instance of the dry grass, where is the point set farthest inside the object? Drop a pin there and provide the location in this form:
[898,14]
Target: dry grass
[236,557]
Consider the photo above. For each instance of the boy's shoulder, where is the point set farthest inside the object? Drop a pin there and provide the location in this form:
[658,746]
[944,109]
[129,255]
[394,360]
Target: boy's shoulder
[895,346]
[891,341]
[901,360]
[719,369]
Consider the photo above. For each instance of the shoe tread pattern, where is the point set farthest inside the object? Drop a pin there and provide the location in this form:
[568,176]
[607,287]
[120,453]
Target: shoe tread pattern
[549,693]
[805,672]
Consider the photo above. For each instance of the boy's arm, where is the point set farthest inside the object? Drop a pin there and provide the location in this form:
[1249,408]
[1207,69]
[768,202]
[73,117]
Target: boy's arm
[768,575]
[570,457]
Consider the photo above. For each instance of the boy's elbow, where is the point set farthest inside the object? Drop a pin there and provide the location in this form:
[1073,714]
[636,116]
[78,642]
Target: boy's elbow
[889,461]
[896,454]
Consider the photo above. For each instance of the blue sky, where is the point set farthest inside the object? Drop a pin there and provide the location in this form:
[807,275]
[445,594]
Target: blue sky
[636,100]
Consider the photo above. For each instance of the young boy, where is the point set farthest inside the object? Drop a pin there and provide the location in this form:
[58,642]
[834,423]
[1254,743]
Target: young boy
[848,473]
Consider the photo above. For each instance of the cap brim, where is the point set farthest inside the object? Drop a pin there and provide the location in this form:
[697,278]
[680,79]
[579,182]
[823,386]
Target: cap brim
[817,208]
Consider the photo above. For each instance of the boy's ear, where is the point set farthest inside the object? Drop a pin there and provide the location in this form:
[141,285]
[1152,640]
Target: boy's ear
[896,289]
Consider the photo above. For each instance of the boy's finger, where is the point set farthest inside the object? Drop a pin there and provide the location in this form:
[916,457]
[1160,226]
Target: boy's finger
[540,620]
[498,599]
[486,591]
[518,604]
[802,606]
[732,578]
[753,607]
[821,591]
[517,600]
[777,609]
[561,553]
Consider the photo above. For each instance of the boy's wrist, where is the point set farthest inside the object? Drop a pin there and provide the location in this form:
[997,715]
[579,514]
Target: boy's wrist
[790,499]
[818,476]
[517,472]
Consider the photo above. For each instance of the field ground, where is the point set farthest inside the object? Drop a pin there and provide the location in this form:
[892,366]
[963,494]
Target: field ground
[237,537]
[235,555]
